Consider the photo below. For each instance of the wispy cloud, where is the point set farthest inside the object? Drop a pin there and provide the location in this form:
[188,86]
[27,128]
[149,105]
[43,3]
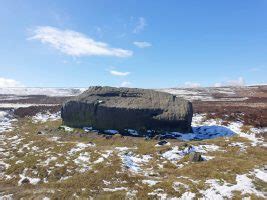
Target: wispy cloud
[126,84]
[75,44]
[6,82]
[140,25]
[142,44]
[254,69]
[236,82]
[190,84]
[118,73]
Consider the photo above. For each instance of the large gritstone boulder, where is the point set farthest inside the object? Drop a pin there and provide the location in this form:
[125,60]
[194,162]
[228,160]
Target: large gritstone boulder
[106,108]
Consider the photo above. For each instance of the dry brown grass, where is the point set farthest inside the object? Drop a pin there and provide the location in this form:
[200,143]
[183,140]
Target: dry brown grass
[223,167]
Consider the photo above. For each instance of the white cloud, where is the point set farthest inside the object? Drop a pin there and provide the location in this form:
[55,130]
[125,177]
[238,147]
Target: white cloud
[142,44]
[189,84]
[6,82]
[140,25]
[75,44]
[255,69]
[126,84]
[238,82]
[117,73]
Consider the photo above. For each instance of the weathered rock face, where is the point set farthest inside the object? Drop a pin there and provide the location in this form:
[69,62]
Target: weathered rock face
[128,108]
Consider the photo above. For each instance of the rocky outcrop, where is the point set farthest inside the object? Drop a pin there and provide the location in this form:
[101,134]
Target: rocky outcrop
[128,108]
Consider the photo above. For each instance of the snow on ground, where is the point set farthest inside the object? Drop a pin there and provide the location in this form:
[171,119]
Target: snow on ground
[186,196]
[48,160]
[202,130]
[87,129]
[115,189]
[42,91]
[79,147]
[134,162]
[22,105]
[219,190]
[44,117]
[178,185]
[31,180]
[236,127]
[159,193]
[103,156]
[261,174]
[213,128]
[112,132]
[150,182]
[5,121]
[12,97]
[205,94]
[122,148]
[83,162]
[176,154]
[132,132]
[188,94]
[206,148]
[131,161]
[6,196]
[241,145]
[66,128]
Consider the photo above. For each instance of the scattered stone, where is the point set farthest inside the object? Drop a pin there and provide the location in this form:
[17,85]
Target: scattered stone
[162,142]
[40,133]
[25,181]
[195,157]
[108,137]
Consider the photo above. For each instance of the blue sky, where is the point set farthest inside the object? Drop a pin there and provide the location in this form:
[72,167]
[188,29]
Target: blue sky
[150,44]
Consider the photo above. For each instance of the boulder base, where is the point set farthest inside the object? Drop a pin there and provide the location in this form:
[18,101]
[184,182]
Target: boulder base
[128,108]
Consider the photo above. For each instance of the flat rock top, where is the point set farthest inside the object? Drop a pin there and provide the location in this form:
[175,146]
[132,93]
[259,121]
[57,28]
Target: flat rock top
[133,98]
[130,98]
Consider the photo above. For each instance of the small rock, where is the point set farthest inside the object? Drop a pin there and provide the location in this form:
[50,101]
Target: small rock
[157,137]
[195,157]
[108,137]
[162,142]
[40,132]
[147,138]
[25,181]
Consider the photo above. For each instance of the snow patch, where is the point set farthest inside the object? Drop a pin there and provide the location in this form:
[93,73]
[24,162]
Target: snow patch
[5,121]
[150,182]
[261,174]
[187,196]
[132,132]
[44,117]
[66,128]
[176,154]
[241,145]
[83,161]
[22,105]
[42,91]
[114,189]
[80,147]
[219,190]
[32,181]
[113,132]
[133,162]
